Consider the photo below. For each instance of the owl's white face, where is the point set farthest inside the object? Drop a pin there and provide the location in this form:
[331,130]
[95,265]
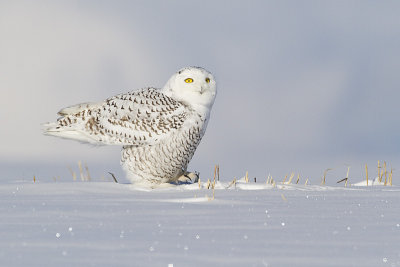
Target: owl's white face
[193,85]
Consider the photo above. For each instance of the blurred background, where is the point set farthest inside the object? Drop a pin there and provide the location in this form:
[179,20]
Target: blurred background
[303,85]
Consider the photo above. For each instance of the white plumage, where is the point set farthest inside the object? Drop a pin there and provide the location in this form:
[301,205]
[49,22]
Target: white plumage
[159,129]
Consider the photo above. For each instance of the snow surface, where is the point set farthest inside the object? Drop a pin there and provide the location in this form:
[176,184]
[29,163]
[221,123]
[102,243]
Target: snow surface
[374,182]
[109,224]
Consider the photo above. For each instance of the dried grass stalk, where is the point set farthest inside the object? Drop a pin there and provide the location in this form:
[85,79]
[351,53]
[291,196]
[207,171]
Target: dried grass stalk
[81,171]
[284,179]
[113,176]
[232,183]
[379,172]
[87,173]
[384,166]
[324,178]
[72,173]
[347,176]
[291,178]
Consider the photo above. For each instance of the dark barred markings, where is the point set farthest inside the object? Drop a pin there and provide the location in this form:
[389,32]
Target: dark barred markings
[143,115]
[135,118]
[163,162]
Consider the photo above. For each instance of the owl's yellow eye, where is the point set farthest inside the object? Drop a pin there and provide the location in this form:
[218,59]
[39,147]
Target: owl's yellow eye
[207,80]
[189,80]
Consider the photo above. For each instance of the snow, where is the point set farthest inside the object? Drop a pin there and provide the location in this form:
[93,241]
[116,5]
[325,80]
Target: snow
[373,182]
[250,224]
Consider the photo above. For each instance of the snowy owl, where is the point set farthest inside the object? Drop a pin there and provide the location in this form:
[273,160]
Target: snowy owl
[158,129]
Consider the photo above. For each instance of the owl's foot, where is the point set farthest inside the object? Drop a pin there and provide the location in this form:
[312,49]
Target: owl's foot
[188,178]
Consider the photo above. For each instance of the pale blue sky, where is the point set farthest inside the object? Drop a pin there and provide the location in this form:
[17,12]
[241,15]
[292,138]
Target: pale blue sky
[303,85]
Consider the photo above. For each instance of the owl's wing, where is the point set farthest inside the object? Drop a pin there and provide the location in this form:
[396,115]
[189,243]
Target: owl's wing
[142,117]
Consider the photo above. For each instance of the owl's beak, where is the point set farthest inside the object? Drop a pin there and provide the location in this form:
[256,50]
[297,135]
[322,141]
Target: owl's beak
[201,90]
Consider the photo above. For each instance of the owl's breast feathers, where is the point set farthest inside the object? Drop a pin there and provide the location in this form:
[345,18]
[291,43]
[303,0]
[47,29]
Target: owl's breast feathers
[144,117]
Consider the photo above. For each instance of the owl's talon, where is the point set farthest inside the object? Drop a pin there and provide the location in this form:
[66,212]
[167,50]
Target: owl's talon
[188,178]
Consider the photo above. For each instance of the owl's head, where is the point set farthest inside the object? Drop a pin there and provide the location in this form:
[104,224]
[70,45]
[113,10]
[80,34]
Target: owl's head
[194,86]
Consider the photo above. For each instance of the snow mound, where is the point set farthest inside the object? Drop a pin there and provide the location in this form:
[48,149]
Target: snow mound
[374,182]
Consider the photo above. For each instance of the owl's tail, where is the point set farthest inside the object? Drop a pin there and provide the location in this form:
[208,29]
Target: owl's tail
[72,125]
[73,132]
